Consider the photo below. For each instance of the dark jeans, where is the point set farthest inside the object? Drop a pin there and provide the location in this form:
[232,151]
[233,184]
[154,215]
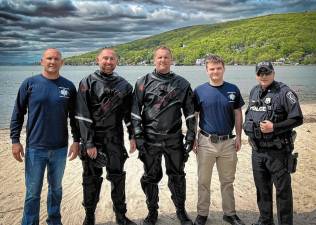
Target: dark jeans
[269,168]
[36,161]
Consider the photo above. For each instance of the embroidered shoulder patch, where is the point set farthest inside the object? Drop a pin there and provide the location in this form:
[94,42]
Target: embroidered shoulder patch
[291,97]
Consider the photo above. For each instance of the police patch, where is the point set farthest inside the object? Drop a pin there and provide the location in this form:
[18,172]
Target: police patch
[291,97]
[231,97]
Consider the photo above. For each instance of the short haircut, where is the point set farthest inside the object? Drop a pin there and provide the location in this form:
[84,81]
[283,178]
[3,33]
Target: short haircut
[111,49]
[55,49]
[163,48]
[214,59]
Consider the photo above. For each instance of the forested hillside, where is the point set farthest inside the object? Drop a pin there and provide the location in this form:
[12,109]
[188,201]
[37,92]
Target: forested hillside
[283,38]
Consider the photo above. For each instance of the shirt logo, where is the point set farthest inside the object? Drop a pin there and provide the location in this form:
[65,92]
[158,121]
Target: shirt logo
[64,92]
[291,97]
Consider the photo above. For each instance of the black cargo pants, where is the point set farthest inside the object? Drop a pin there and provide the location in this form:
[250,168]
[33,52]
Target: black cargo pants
[270,167]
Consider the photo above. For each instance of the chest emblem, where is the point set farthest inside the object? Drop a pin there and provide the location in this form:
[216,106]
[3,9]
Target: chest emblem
[64,92]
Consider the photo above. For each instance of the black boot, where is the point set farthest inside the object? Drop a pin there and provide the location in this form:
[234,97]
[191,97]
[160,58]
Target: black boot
[91,192]
[151,192]
[177,186]
[183,217]
[151,218]
[121,219]
[89,219]
[234,220]
[200,220]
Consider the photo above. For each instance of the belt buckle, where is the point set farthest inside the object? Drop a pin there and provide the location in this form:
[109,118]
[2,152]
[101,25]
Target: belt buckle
[214,138]
[224,138]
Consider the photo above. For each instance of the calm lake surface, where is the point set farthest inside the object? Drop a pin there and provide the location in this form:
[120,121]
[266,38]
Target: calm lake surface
[302,79]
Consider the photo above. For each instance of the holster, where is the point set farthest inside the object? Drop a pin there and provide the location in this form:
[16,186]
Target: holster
[253,144]
[292,162]
[248,128]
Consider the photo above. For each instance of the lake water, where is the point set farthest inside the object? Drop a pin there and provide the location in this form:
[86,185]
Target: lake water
[300,78]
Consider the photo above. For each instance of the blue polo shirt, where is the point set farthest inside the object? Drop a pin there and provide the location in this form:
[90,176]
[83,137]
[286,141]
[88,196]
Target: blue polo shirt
[216,105]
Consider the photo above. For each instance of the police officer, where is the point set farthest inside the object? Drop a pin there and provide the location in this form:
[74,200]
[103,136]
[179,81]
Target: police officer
[158,100]
[103,101]
[272,114]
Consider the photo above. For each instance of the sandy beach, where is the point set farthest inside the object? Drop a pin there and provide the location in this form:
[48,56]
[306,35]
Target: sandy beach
[12,188]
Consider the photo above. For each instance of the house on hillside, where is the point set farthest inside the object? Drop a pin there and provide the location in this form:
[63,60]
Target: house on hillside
[200,62]
[280,61]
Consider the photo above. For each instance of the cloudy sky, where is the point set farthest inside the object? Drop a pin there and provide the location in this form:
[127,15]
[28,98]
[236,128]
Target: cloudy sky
[78,26]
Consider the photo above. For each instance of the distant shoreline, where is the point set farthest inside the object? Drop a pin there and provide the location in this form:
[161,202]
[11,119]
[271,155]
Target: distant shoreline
[153,65]
[309,116]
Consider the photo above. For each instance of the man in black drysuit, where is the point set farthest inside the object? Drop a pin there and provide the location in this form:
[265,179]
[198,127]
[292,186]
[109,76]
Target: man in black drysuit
[103,101]
[272,114]
[156,118]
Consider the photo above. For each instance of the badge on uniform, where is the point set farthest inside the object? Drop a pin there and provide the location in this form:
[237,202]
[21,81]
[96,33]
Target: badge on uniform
[291,97]
[267,101]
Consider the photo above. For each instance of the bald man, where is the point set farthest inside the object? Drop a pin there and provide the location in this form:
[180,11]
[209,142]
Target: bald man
[49,100]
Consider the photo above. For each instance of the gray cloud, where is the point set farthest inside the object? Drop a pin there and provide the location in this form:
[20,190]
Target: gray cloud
[77,26]
[53,8]
[7,16]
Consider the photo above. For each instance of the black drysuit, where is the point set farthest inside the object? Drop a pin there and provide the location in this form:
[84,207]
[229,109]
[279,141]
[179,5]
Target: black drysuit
[103,102]
[156,117]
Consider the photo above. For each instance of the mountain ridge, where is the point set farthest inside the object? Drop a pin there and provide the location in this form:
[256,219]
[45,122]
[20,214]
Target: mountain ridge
[282,38]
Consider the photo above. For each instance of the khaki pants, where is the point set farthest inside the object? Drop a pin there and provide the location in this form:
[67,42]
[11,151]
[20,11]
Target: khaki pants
[224,155]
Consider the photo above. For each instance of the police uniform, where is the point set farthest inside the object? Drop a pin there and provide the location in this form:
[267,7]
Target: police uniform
[271,152]
[103,102]
[156,118]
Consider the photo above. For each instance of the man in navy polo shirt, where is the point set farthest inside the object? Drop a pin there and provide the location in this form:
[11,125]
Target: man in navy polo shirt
[218,105]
